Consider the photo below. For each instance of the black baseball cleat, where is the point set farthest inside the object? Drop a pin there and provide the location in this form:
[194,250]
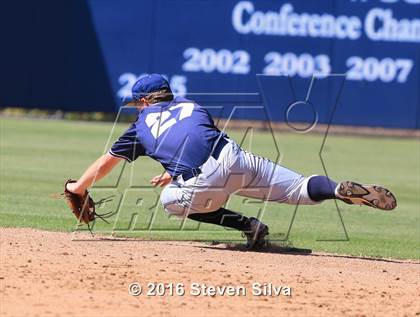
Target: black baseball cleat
[370,195]
[256,236]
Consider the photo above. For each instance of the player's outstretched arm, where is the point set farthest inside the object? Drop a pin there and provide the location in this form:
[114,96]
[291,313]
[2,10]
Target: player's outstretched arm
[100,168]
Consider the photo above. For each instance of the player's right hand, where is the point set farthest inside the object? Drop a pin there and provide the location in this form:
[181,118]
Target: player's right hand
[161,180]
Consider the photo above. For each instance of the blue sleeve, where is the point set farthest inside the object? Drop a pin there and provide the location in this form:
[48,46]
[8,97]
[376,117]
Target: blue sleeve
[128,146]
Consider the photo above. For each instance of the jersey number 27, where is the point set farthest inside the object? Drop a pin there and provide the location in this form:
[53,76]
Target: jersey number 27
[159,122]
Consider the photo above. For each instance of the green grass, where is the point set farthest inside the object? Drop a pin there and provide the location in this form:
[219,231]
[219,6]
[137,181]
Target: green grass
[36,156]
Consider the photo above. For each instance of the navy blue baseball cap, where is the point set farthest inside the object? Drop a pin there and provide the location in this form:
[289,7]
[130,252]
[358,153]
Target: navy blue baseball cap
[146,85]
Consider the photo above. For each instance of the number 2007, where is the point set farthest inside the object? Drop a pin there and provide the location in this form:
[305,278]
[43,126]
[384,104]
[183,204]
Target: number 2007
[371,69]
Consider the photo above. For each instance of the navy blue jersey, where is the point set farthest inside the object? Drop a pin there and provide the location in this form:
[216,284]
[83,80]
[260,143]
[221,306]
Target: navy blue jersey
[179,134]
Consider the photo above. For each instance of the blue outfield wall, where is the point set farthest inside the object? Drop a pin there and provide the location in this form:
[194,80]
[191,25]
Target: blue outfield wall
[350,62]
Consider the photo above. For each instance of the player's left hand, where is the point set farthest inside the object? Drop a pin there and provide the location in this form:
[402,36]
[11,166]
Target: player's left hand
[82,205]
[161,180]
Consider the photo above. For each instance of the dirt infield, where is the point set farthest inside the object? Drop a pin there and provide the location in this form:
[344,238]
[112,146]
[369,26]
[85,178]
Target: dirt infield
[48,274]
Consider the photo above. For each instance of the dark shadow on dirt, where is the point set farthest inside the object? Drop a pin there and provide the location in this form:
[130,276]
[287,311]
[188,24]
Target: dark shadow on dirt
[269,248]
[290,250]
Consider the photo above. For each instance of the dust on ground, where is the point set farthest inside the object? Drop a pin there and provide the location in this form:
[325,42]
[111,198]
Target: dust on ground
[49,274]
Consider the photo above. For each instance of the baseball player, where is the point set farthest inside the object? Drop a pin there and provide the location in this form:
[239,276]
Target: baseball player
[204,167]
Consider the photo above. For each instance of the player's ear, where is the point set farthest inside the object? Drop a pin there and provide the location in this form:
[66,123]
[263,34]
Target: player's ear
[144,101]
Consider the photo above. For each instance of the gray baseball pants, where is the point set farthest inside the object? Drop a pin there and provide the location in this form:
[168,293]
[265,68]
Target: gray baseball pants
[238,172]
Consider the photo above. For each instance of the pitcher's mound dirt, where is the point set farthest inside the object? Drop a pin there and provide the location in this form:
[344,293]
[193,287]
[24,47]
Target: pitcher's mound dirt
[48,274]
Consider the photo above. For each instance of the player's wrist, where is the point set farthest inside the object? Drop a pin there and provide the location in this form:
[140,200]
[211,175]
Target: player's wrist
[75,188]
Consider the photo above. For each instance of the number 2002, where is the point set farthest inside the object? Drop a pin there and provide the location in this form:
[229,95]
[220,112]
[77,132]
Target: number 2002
[223,61]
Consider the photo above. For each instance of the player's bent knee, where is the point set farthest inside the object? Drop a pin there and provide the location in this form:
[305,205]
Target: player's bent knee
[176,210]
[172,202]
[181,201]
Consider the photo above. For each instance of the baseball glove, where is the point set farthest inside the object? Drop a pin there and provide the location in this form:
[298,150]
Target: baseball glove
[82,206]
